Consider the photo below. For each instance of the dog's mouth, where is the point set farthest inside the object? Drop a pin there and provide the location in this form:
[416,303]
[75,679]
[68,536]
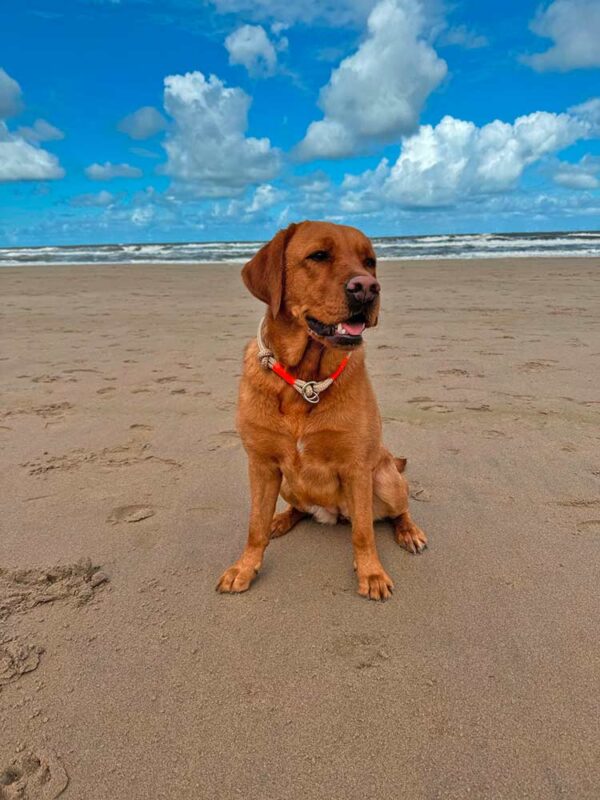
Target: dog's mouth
[341,334]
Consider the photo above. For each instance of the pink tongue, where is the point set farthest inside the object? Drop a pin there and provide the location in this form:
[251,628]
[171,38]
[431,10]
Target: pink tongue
[353,328]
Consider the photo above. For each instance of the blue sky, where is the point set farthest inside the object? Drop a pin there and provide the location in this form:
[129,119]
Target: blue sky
[142,121]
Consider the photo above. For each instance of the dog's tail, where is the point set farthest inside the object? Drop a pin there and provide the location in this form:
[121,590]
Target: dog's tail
[400,464]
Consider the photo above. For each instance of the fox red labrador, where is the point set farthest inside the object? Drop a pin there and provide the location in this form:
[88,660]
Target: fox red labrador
[307,414]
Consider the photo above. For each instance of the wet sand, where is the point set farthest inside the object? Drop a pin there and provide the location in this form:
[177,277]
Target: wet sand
[123,675]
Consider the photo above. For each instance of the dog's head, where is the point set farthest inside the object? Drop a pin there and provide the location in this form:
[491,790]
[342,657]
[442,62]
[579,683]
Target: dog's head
[319,275]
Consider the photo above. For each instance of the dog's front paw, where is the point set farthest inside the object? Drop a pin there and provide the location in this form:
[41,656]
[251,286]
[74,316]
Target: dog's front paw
[237,578]
[374,583]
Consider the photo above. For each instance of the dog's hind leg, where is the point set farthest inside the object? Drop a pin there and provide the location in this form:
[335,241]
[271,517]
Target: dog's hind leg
[390,490]
[284,522]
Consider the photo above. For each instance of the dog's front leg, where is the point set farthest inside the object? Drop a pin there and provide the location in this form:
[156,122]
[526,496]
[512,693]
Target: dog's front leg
[265,482]
[373,580]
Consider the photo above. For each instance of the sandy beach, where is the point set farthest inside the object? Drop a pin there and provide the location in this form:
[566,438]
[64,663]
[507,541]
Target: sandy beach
[124,676]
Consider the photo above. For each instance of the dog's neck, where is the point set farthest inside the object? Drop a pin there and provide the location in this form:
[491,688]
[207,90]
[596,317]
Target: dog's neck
[293,347]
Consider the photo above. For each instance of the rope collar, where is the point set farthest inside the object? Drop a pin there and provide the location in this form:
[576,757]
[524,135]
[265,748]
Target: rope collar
[309,390]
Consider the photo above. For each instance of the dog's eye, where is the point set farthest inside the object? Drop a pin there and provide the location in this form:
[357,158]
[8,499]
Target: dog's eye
[370,263]
[319,255]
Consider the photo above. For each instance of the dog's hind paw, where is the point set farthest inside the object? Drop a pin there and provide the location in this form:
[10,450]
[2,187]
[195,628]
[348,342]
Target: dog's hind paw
[409,536]
[284,522]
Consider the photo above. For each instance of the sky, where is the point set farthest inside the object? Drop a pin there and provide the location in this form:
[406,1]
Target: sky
[204,120]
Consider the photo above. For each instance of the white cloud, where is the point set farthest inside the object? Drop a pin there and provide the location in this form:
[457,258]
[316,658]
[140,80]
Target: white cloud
[589,112]
[208,152]
[142,216]
[41,131]
[20,159]
[143,123]
[108,171]
[462,36]
[574,26]
[143,152]
[377,94]
[251,47]
[264,197]
[314,182]
[336,12]
[445,164]
[99,199]
[23,161]
[10,96]
[332,13]
[585,174]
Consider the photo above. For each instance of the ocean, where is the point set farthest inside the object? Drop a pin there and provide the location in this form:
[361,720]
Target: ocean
[478,245]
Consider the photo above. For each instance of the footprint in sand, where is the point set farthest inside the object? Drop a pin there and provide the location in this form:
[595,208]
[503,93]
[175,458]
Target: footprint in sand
[578,503]
[589,526]
[134,513]
[457,372]
[139,426]
[50,410]
[24,589]
[418,492]
[536,366]
[78,369]
[492,433]
[437,407]
[106,390]
[47,379]
[17,659]
[224,440]
[361,651]
[33,775]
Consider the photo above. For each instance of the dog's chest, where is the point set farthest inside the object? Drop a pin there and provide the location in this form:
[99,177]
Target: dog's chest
[310,451]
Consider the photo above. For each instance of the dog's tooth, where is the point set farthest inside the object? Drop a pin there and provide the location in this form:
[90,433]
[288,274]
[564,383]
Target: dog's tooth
[339,328]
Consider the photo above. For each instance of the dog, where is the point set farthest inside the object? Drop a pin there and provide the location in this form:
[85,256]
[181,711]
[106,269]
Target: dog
[307,414]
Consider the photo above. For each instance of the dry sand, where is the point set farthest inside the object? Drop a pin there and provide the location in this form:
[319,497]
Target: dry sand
[127,677]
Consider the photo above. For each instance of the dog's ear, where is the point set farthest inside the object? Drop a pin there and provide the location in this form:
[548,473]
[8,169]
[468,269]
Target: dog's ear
[264,275]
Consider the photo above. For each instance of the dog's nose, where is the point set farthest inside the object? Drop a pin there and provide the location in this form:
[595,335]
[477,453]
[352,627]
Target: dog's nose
[362,289]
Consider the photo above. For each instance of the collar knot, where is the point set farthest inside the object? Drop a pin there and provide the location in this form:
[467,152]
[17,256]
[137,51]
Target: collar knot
[309,390]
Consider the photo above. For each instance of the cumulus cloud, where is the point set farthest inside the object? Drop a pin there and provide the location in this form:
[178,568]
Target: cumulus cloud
[377,94]
[264,197]
[585,174]
[208,152]
[444,164]
[41,131]
[99,199]
[574,26]
[108,171]
[255,207]
[251,47]
[20,157]
[143,123]
[10,96]
[21,160]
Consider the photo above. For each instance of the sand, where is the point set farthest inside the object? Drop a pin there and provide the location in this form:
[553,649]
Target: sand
[123,675]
